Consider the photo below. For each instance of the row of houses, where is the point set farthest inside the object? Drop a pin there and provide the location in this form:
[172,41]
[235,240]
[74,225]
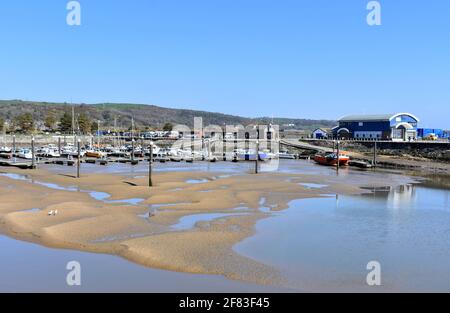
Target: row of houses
[393,127]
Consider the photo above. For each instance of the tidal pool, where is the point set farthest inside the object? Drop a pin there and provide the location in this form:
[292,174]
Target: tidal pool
[97,195]
[189,221]
[313,186]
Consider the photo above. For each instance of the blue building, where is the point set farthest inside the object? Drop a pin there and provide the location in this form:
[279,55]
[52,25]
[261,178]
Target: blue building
[320,133]
[396,127]
[440,133]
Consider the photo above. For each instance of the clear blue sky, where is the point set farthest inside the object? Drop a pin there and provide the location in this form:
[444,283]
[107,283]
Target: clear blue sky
[291,58]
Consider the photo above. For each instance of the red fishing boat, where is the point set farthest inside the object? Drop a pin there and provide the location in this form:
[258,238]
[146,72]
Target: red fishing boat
[331,159]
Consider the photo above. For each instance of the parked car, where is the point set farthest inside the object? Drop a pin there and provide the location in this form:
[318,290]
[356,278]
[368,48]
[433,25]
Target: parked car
[431,137]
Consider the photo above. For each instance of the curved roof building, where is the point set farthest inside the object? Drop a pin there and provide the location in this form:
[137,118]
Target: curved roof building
[398,127]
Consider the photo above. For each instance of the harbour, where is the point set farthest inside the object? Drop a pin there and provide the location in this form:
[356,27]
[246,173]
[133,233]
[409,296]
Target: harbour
[268,216]
[225,155]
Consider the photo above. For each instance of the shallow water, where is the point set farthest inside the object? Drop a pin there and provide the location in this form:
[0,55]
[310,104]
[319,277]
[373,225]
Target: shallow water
[26,267]
[103,196]
[197,181]
[313,186]
[189,221]
[34,210]
[326,244]
[97,195]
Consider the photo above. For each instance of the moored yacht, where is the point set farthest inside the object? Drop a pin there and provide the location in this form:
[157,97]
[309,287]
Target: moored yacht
[251,155]
[25,154]
[5,149]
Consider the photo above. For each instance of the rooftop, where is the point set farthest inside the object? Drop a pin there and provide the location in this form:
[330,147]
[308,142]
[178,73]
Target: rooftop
[373,117]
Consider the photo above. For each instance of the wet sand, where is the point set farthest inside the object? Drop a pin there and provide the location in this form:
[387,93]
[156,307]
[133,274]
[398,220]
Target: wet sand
[142,231]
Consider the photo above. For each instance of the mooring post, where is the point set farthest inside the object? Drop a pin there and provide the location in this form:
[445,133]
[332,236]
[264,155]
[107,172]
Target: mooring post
[374,162]
[132,150]
[193,146]
[209,148]
[235,135]
[13,152]
[150,161]
[79,158]
[257,150]
[257,156]
[337,155]
[224,143]
[33,161]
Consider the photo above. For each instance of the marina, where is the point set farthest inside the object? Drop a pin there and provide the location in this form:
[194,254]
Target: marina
[166,152]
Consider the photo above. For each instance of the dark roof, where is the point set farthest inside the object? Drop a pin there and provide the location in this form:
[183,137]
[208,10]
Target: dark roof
[373,117]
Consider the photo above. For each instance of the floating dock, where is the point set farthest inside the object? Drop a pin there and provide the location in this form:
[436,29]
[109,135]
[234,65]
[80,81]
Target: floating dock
[21,165]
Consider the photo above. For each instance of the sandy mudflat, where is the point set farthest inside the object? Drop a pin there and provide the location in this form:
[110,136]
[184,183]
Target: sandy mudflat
[117,225]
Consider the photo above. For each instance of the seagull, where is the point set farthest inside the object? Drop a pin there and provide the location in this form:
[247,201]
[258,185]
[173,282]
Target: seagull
[53,213]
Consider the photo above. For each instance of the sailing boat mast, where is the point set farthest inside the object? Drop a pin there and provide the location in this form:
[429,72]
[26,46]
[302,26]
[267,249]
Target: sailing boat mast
[115,141]
[98,134]
[73,124]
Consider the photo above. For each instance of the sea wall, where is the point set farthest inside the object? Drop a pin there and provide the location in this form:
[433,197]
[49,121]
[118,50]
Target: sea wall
[439,151]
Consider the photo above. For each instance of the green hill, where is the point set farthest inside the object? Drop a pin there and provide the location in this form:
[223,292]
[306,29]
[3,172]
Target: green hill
[144,115]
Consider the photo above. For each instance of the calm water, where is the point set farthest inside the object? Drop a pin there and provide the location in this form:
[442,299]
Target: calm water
[26,267]
[317,244]
[325,244]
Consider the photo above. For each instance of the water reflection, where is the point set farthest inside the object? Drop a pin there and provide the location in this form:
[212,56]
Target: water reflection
[396,197]
[324,244]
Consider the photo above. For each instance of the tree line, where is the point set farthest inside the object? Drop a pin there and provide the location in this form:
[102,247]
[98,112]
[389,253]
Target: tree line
[25,123]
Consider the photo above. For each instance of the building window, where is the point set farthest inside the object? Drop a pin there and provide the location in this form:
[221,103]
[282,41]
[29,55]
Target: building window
[360,124]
